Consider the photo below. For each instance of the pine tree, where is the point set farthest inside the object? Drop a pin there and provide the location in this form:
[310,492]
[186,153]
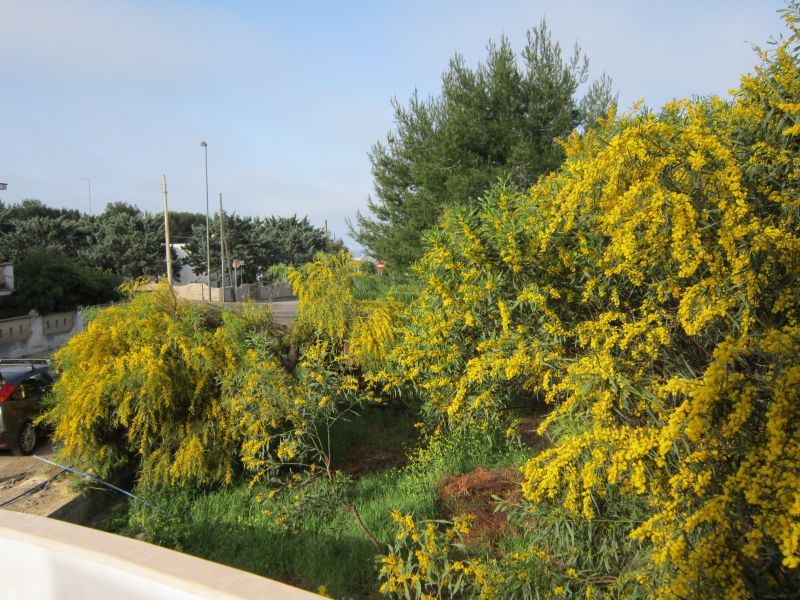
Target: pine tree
[500,120]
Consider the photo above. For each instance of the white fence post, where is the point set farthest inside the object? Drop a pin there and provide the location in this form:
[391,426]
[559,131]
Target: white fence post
[37,342]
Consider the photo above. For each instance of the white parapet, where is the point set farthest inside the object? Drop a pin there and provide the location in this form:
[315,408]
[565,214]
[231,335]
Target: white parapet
[45,558]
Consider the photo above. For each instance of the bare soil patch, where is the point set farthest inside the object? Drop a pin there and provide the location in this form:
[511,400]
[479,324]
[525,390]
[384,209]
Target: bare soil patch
[529,435]
[475,493]
[19,474]
[369,458]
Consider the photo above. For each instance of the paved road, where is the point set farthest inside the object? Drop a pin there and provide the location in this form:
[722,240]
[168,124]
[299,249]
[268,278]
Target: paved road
[284,312]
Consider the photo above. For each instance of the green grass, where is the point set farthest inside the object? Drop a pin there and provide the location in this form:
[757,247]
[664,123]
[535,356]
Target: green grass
[227,524]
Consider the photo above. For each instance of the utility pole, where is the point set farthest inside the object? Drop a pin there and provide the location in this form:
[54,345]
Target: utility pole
[166,231]
[327,245]
[228,258]
[208,226]
[221,251]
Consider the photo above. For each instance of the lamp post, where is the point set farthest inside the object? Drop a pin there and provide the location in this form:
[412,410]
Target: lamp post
[208,226]
[167,244]
[222,252]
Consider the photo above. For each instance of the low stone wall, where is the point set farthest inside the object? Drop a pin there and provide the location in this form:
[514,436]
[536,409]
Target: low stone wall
[35,333]
[259,292]
[15,329]
[265,291]
[196,291]
[58,323]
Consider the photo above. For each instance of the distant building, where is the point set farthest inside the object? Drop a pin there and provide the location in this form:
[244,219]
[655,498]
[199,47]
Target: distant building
[185,275]
[364,258]
[6,278]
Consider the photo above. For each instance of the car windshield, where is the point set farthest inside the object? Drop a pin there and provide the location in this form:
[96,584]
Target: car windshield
[17,372]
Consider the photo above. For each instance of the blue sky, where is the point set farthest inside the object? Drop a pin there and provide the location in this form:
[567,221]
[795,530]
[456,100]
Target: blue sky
[291,96]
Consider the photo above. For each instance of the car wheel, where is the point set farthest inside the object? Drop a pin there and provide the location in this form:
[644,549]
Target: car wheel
[27,440]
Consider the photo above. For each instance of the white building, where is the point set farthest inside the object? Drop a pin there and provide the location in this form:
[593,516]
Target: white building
[185,275]
[6,279]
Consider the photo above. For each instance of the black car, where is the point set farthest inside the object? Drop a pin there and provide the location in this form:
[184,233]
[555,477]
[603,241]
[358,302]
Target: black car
[23,384]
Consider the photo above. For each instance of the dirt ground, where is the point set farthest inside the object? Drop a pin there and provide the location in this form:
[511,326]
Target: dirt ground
[20,473]
[371,459]
[476,493]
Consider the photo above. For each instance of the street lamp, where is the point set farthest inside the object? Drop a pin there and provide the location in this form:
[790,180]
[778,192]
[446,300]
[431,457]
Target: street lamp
[208,226]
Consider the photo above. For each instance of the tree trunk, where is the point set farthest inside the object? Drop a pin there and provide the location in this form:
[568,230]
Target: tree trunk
[354,511]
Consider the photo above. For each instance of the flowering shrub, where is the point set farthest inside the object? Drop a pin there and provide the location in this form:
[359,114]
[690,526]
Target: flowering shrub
[286,426]
[650,291]
[428,560]
[329,309]
[290,444]
[422,561]
[185,392]
[188,394]
[140,386]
